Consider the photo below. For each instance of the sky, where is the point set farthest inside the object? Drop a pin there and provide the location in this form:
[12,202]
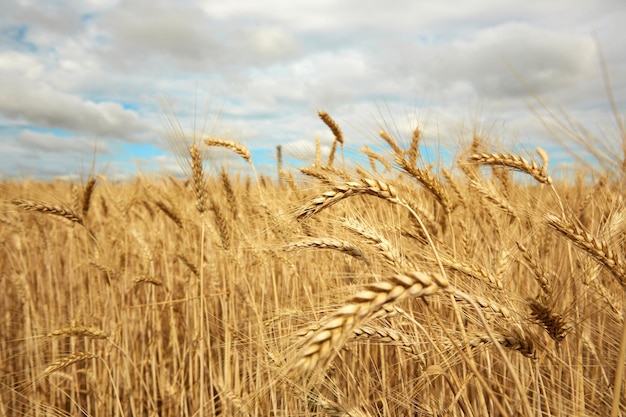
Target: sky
[94,83]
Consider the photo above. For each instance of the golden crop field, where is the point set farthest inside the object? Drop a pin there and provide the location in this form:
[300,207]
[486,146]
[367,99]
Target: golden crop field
[488,287]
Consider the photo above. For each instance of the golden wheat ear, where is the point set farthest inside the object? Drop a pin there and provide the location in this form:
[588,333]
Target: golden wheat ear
[52,209]
[599,250]
[515,162]
[332,125]
[324,343]
[236,147]
[67,361]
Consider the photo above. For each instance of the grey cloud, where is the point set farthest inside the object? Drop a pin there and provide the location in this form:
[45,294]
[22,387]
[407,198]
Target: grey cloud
[51,143]
[41,105]
[547,61]
[503,61]
[142,34]
[49,15]
[408,16]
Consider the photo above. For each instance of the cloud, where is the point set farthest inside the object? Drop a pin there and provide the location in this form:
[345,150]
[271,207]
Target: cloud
[504,61]
[93,69]
[18,62]
[39,104]
[545,60]
[273,42]
[144,34]
[45,155]
[51,143]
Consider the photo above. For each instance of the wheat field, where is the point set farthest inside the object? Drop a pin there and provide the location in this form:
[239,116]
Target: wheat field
[379,286]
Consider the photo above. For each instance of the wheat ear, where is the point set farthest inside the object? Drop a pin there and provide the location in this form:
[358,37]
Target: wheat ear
[236,147]
[87,193]
[389,336]
[522,345]
[329,243]
[554,324]
[322,345]
[339,192]
[80,331]
[386,249]
[67,361]
[455,188]
[472,271]
[428,180]
[516,162]
[170,212]
[598,249]
[197,177]
[55,210]
[332,125]
[414,152]
[391,142]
